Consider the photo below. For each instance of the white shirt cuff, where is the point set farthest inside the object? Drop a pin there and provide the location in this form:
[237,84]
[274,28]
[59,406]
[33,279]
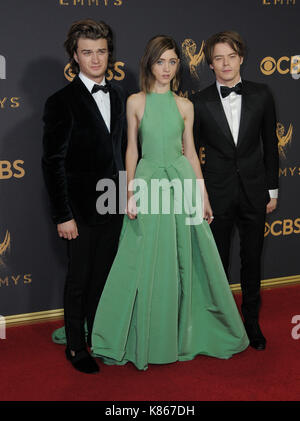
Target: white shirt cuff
[273,194]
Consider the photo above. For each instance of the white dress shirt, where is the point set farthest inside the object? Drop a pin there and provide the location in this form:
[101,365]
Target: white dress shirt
[102,99]
[232,105]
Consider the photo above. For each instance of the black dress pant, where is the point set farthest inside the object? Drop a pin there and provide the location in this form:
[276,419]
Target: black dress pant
[250,224]
[90,255]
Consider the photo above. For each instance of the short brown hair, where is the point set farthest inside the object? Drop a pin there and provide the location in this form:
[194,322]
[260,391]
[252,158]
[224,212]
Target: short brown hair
[153,51]
[230,37]
[88,28]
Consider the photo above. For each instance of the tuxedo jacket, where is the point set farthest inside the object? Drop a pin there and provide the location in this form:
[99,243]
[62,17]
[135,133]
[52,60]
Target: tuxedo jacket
[79,151]
[253,161]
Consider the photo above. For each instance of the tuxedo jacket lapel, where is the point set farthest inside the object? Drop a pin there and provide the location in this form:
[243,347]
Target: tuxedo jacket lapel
[114,109]
[249,105]
[247,111]
[86,97]
[215,107]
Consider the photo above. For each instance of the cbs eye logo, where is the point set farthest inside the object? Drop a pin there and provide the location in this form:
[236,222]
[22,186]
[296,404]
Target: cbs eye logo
[283,65]
[284,227]
[11,169]
[69,75]
[117,73]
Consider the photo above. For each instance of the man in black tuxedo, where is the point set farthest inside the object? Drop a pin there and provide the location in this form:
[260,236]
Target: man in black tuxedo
[84,135]
[236,123]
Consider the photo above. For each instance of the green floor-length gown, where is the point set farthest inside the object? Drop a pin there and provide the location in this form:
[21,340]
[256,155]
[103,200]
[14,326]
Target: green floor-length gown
[167,297]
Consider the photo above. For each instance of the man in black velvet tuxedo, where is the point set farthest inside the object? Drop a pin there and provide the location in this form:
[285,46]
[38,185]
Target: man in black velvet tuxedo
[84,135]
[236,123]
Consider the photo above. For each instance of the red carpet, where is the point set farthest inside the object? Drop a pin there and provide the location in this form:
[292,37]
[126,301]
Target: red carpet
[34,369]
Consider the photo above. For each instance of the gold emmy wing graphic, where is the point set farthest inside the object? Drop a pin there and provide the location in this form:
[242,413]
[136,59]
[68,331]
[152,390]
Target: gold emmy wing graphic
[283,139]
[5,245]
[189,48]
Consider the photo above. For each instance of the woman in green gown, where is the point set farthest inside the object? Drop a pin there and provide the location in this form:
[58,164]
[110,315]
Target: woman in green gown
[167,297]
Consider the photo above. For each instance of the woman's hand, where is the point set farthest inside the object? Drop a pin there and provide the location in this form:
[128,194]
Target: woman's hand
[207,210]
[131,209]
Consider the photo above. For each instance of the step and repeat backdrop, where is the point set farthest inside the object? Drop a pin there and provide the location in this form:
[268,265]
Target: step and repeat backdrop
[33,65]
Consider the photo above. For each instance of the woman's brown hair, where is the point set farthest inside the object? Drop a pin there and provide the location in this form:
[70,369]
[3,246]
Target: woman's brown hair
[90,29]
[230,37]
[153,51]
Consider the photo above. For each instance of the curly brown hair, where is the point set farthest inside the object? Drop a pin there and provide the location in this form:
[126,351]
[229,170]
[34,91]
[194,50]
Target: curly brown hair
[88,28]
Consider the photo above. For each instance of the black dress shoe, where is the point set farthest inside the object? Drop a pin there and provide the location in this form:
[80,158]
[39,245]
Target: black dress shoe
[82,361]
[256,338]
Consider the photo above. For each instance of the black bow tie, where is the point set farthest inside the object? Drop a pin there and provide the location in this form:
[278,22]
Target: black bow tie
[97,88]
[225,91]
